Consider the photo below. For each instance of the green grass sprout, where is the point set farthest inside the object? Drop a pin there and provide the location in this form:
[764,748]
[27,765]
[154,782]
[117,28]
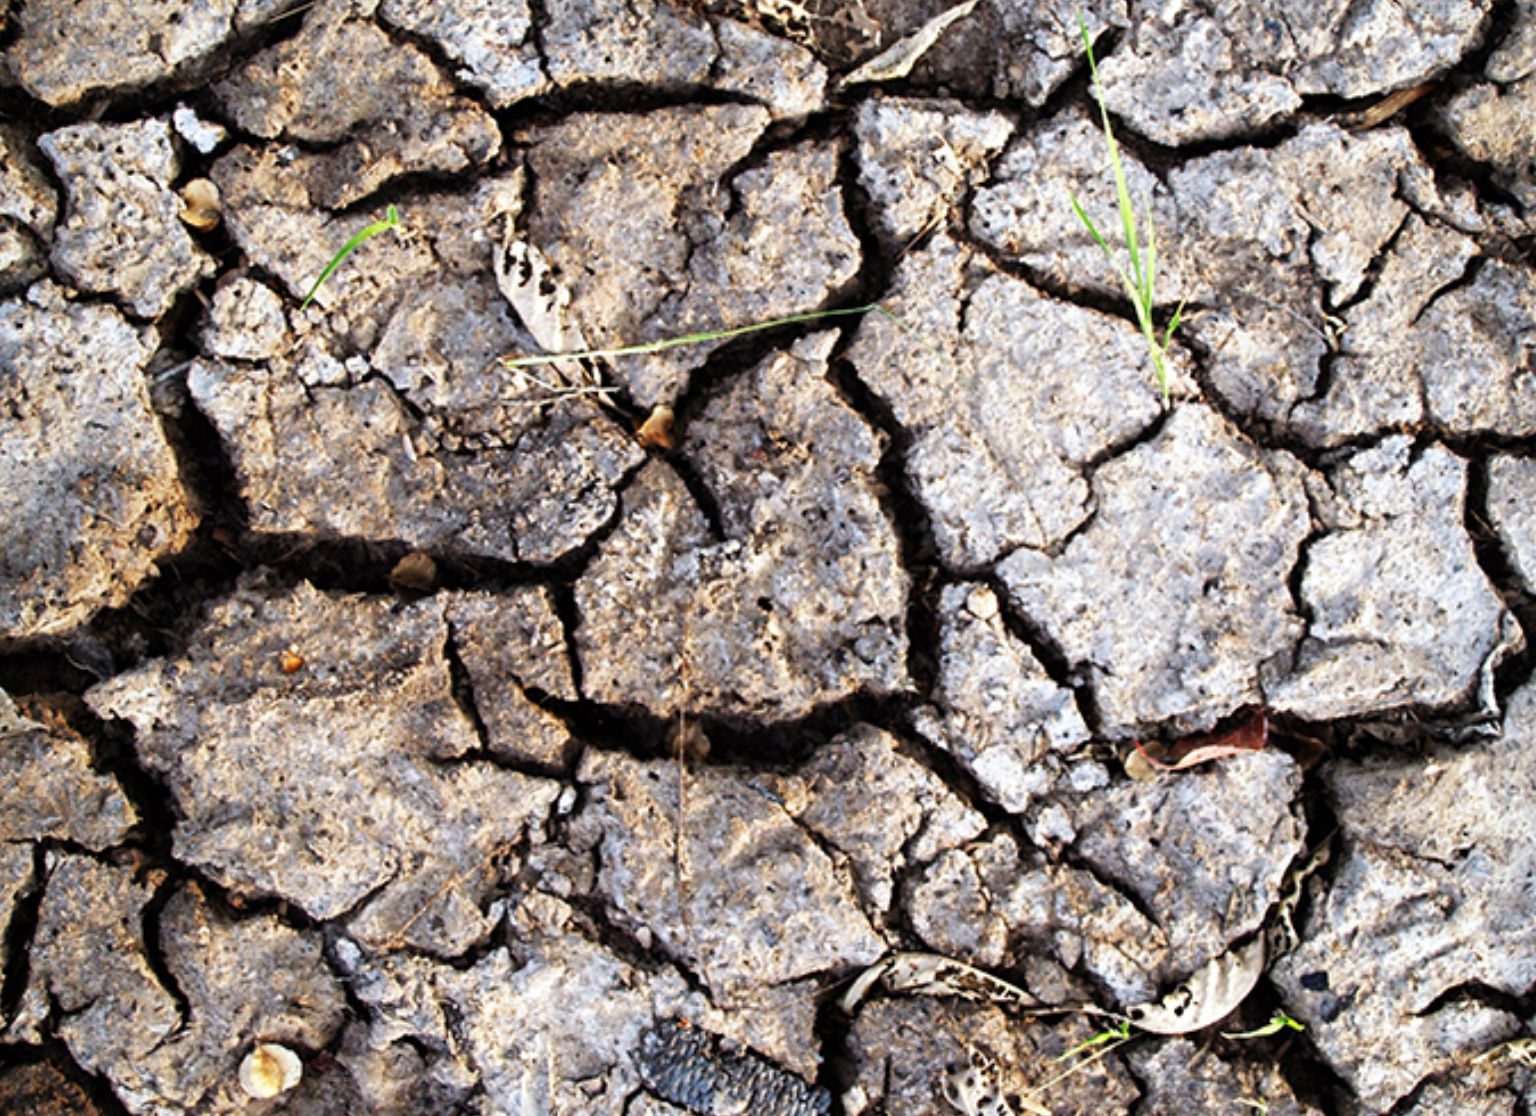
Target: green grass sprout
[1116,1034]
[367,232]
[1141,277]
[705,337]
[1278,1022]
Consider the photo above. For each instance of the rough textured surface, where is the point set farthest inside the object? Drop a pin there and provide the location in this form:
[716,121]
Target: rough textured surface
[917,157]
[1431,894]
[1512,508]
[368,809]
[671,873]
[802,600]
[67,50]
[1171,605]
[234,983]
[1235,70]
[49,789]
[121,232]
[996,710]
[686,244]
[999,458]
[1398,612]
[93,495]
[392,118]
[41,1090]
[512,738]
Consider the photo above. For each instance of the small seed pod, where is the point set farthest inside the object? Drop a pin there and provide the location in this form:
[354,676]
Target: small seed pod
[290,661]
[656,431]
[200,204]
[270,1070]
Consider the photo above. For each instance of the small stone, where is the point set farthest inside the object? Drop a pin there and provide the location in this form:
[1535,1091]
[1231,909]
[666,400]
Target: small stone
[205,136]
[122,232]
[416,573]
[270,1070]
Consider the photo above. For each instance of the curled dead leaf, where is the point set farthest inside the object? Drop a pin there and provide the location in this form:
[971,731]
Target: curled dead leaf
[201,205]
[1207,997]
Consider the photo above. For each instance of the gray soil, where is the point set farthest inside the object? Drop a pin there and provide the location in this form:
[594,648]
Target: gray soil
[566,739]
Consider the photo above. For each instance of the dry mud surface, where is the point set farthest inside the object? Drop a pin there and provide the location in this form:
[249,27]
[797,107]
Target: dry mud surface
[566,739]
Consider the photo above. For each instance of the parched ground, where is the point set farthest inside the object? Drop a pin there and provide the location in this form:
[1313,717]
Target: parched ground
[479,739]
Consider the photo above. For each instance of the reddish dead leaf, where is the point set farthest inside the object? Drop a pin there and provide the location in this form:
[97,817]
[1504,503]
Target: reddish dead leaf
[1248,735]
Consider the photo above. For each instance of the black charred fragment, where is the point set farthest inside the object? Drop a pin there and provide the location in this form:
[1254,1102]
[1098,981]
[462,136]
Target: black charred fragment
[703,1073]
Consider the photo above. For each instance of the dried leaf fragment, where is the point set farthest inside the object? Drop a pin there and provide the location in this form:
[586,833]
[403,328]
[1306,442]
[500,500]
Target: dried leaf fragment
[1207,997]
[270,1070]
[1249,735]
[201,206]
[897,60]
[929,974]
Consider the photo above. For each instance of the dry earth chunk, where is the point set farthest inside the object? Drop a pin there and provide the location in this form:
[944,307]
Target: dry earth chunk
[1399,613]
[1512,508]
[1008,396]
[93,497]
[989,906]
[655,238]
[511,644]
[1204,852]
[122,233]
[1276,246]
[377,109]
[1174,599]
[355,461]
[552,1025]
[49,789]
[490,41]
[28,210]
[246,322]
[802,603]
[592,41]
[995,709]
[881,809]
[41,1090]
[1180,1078]
[916,158]
[331,784]
[1432,893]
[70,49]
[731,886]
[1238,68]
[235,983]
[1496,125]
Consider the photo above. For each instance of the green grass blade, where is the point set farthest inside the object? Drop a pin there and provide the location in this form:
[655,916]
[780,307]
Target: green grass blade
[367,232]
[1093,230]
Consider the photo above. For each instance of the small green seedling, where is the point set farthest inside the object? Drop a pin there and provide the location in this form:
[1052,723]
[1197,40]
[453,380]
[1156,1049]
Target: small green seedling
[1141,277]
[1278,1022]
[1116,1034]
[367,232]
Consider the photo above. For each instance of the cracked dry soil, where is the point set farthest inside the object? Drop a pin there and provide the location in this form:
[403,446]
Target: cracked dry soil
[463,732]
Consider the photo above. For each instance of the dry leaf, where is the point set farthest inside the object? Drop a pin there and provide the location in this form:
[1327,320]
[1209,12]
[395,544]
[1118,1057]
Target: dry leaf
[1207,997]
[527,281]
[897,60]
[929,974]
[1249,735]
